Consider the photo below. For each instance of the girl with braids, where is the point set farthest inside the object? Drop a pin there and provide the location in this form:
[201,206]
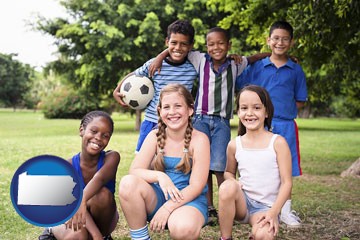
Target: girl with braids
[263,160]
[167,181]
[97,215]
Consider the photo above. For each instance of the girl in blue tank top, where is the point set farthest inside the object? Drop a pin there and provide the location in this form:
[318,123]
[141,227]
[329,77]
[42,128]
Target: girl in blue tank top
[166,185]
[97,215]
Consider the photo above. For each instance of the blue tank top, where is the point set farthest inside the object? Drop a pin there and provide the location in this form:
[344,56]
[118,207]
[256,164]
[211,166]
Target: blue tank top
[76,164]
[180,179]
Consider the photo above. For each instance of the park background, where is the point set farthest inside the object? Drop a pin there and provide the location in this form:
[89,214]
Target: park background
[99,42]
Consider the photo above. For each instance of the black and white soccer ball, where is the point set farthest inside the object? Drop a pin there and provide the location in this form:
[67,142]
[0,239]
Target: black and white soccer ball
[137,91]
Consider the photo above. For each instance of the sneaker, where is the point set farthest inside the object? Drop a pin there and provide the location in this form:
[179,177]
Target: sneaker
[47,235]
[212,216]
[291,219]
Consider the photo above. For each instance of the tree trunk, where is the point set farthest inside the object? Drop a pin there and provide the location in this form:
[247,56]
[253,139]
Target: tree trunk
[353,170]
[138,120]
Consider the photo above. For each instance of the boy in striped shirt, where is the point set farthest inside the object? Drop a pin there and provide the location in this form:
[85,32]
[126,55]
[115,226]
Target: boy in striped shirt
[176,69]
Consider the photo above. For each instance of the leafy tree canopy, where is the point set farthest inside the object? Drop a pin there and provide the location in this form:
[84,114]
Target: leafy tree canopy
[101,41]
[15,80]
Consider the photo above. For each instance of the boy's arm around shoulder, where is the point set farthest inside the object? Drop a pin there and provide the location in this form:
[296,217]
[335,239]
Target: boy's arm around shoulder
[157,63]
[283,156]
[258,56]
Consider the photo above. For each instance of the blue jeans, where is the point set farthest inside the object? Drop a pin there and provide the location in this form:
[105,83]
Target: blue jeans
[218,131]
[253,207]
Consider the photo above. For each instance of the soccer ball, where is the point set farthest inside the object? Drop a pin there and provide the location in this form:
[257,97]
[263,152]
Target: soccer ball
[137,91]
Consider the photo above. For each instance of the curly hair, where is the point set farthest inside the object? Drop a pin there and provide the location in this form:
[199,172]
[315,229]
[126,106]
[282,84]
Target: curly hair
[183,27]
[94,114]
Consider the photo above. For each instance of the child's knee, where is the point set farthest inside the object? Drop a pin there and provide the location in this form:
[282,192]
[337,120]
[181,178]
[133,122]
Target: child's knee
[227,189]
[263,233]
[127,186]
[183,230]
[102,199]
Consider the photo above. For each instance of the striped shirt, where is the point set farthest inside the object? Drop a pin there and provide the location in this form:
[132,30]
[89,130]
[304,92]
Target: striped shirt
[182,73]
[215,94]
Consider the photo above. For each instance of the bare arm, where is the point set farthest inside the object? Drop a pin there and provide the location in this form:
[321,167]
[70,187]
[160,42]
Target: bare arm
[231,163]
[258,56]
[157,62]
[284,162]
[283,157]
[105,174]
[142,161]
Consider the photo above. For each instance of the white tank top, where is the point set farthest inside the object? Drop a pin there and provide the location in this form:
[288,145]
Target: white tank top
[259,171]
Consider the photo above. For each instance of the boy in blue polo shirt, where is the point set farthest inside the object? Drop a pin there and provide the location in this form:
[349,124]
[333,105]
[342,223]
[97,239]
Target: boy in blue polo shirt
[176,69]
[285,81]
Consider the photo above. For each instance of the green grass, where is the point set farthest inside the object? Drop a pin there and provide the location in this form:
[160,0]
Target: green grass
[328,204]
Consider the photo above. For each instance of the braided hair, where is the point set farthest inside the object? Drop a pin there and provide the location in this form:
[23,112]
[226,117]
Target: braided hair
[94,114]
[185,164]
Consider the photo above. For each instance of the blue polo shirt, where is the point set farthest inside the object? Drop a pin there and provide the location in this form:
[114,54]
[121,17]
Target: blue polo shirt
[286,85]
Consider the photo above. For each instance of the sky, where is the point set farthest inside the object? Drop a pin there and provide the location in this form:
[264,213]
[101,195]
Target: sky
[16,36]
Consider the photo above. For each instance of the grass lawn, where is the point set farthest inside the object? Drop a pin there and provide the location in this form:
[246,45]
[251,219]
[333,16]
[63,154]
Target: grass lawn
[328,204]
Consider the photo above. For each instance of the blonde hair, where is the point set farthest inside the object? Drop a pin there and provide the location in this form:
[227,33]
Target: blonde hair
[185,163]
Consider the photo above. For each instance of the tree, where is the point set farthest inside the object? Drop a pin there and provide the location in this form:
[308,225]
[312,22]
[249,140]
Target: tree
[15,80]
[102,41]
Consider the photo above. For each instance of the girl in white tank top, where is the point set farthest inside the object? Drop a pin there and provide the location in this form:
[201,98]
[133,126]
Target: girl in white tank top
[263,162]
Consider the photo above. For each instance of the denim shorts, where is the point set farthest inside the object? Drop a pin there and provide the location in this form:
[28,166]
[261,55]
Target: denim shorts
[253,207]
[218,131]
[200,203]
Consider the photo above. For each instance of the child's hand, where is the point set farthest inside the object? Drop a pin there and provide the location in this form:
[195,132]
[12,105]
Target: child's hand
[78,221]
[269,217]
[240,184]
[158,223]
[169,189]
[119,96]
[155,66]
[237,58]
[120,99]
[294,59]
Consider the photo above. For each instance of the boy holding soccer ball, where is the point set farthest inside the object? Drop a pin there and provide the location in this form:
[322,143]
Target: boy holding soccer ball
[175,69]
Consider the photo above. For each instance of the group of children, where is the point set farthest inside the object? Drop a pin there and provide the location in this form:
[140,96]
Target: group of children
[184,141]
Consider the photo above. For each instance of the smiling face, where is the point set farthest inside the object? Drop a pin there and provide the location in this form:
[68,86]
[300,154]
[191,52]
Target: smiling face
[174,111]
[96,135]
[252,112]
[280,41]
[179,46]
[217,46]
